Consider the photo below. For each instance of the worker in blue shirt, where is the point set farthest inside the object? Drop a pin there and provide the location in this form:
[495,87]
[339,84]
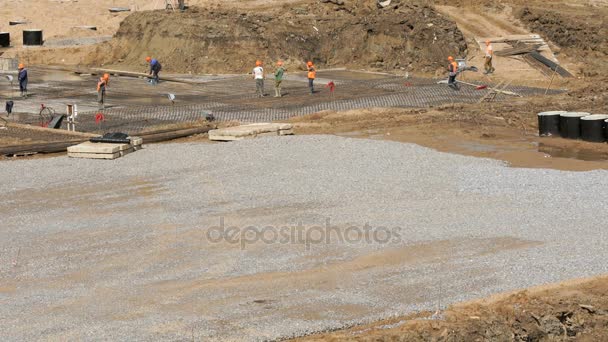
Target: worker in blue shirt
[155,68]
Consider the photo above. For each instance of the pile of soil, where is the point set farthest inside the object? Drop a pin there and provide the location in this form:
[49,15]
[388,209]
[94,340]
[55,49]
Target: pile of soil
[577,311]
[357,34]
[582,32]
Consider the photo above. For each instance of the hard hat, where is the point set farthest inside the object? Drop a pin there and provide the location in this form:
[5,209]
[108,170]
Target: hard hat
[21,66]
[280,63]
[258,63]
[148,59]
[309,63]
[106,76]
[450,58]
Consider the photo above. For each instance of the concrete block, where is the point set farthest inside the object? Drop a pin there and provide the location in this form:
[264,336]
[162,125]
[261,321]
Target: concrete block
[250,131]
[136,141]
[104,148]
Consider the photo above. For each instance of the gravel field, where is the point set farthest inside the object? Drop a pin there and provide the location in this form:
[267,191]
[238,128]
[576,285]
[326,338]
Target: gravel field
[129,249]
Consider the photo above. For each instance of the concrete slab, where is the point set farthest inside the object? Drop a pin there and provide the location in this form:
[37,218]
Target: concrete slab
[250,131]
[136,141]
[102,148]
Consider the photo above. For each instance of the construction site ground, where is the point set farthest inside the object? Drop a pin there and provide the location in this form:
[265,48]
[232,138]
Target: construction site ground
[120,250]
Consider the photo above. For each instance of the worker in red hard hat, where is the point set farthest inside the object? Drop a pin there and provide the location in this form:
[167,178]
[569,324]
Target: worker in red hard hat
[102,85]
[22,78]
[312,74]
[155,68]
[258,76]
[453,72]
[488,58]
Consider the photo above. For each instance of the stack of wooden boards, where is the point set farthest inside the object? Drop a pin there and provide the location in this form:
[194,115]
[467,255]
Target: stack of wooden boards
[93,150]
[250,131]
[531,47]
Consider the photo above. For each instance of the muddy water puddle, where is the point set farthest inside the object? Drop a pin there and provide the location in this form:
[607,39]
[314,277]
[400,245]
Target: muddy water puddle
[517,151]
[573,153]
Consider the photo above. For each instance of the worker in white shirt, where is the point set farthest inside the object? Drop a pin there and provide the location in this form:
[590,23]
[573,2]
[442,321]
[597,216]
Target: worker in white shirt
[258,76]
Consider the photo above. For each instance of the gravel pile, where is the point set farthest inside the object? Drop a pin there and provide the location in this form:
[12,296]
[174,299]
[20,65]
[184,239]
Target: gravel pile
[124,250]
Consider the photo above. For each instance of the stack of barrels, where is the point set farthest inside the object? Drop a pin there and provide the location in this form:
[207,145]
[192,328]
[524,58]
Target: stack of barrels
[573,125]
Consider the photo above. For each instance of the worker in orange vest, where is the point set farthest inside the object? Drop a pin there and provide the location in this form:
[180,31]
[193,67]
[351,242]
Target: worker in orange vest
[312,74]
[453,72]
[102,84]
[489,55]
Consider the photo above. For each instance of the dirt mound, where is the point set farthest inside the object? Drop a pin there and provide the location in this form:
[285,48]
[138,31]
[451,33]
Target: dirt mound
[353,34]
[570,312]
[587,33]
[582,33]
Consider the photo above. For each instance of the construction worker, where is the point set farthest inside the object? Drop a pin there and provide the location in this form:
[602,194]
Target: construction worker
[102,84]
[155,68]
[489,54]
[258,76]
[22,78]
[453,71]
[278,78]
[312,74]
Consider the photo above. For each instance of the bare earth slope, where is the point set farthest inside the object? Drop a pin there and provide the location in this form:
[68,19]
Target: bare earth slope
[208,40]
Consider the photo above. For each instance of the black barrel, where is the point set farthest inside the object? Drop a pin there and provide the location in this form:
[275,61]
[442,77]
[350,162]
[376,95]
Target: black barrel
[32,37]
[548,123]
[5,39]
[593,127]
[570,124]
[606,129]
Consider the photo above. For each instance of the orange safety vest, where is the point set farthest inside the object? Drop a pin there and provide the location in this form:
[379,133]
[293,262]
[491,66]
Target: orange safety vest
[312,73]
[100,83]
[454,65]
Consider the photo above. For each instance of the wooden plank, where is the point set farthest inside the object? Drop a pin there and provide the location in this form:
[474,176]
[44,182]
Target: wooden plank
[52,131]
[100,71]
[38,147]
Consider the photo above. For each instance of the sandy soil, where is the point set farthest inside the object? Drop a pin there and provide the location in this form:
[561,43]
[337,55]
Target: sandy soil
[59,17]
[574,310]
[197,41]
[496,131]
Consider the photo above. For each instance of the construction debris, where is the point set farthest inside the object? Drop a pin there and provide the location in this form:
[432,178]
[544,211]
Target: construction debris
[530,47]
[250,131]
[529,39]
